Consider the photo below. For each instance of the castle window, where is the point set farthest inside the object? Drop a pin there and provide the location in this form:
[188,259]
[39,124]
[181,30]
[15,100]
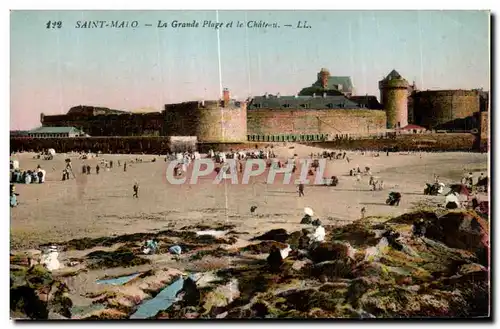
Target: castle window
[329,105]
[257,106]
[306,106]
[286,105]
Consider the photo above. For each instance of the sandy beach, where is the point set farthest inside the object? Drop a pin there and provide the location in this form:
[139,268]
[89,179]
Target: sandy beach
[102,205]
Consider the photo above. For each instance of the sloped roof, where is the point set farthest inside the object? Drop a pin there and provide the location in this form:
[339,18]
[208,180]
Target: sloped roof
[306,102]
[333,83]
[145,110]
[54,130]
[394,75]
[367,101]
[410,127]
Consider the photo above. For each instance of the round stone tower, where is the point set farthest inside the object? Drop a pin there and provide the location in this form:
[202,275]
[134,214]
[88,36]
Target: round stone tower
[394,97]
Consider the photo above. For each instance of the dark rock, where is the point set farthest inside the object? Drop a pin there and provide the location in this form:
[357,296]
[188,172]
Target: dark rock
[191,293]
[121,257]
[274,259]
[333,269]
[25,301]
[279,235]
[259,310]
[357,288]
[239,313]
[218,252]
[294,239]
[34,294]
[329,251]
[358,234]
[263,247]
[454,230]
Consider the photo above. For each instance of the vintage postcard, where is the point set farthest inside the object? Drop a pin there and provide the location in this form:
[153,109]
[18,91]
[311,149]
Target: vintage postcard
[249,164]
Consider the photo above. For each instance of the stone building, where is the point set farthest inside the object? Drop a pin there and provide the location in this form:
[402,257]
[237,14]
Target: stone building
[55,132]
[331,85]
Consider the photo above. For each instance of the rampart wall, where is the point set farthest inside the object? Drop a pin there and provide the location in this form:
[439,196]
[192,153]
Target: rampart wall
[129,124]
[208,121]
[332,122]
[433,108]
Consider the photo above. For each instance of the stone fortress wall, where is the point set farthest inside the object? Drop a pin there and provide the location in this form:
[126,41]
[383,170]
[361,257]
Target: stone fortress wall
[97,121]
[231,121]
[209,121]
[302,122]
[433,108]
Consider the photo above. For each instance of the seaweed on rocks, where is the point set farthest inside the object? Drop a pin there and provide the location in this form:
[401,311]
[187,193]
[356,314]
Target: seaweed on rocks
[263,247]
[279,235]
[24,300]
[121,257]
[326,251]
[359,234]
[139,238]
[216,227]
[217,252]
[35,294]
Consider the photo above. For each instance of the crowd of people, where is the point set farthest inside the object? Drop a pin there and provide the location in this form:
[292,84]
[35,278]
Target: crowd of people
[20,176]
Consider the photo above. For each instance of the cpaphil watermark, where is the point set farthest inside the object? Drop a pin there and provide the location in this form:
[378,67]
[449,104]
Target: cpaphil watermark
[236,172]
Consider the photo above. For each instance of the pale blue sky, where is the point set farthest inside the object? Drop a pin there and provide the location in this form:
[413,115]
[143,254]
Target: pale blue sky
[54,69]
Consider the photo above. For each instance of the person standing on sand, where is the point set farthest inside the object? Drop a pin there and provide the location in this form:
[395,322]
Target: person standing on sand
[301,190]
[136,191]
[97,168]
[363,212]
[125,166]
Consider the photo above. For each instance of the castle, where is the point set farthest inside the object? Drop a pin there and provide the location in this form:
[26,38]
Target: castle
[327,109]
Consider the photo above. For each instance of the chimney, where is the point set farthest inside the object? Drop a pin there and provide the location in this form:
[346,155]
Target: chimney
[314,95]
[278,95]
[225,97]
[323,76]
[266,95]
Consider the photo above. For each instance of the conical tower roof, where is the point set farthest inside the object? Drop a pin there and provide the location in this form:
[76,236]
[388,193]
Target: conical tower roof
[393,75]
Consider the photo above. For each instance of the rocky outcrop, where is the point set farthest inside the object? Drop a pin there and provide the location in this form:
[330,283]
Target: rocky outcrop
[368,269]
[35,294]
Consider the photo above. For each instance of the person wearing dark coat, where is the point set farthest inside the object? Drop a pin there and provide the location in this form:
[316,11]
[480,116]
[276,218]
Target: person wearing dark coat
[301,189]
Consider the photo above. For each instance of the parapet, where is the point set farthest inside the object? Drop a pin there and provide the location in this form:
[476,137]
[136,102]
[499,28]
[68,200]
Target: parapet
[208,105]
[394,84]
[446,93]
